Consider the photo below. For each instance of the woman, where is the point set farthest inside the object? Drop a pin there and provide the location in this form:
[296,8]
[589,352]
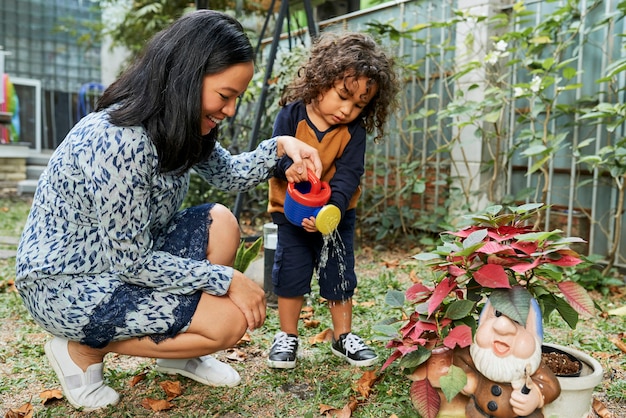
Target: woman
[105,260]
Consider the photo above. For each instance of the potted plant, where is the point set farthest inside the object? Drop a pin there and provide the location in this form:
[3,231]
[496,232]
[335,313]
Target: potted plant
[498,257]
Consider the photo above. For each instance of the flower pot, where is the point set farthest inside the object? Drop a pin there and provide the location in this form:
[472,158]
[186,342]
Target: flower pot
[576,392]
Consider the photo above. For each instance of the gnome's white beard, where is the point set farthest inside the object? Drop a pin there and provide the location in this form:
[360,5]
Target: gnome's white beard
[504,369]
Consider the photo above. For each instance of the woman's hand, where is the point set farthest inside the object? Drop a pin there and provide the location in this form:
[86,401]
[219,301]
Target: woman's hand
[304,157]
[249,298]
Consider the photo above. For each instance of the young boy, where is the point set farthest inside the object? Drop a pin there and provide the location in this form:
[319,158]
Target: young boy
[345,90]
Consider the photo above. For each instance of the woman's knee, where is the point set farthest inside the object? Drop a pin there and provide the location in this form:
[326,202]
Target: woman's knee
[220,320]
[224,236]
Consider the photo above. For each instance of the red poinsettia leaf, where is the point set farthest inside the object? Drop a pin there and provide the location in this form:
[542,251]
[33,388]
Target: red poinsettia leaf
[464,233]
[406,349]
[578,298]
[417,293]
[506,232]
[524,267]
[430,326]
[492,247]
[415,330]
[527,247]
[455,271]
[460,335]
[566,261]
[408,330]
[393,357]
[502,261]
[493,276]
[425,398]
[442,290]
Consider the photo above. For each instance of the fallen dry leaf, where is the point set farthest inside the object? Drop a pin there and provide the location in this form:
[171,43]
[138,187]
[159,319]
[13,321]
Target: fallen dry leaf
[136,379]
[329,411]
[367,303]
[324,336]
[313,323]
[391,263]
[172,389]
[413,277]
[618,343]
[366,382]
[246,339]
[24,411]
[306,315]
[236,355]
[600,409]
[49,395]
[157,404]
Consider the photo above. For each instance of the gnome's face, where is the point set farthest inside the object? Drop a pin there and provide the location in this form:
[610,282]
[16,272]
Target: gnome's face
[505,350]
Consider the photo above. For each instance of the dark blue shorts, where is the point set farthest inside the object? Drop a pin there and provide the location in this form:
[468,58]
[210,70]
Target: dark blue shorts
[298,254]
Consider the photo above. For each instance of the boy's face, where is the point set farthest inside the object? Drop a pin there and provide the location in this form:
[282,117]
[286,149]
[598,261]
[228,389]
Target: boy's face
[345,101]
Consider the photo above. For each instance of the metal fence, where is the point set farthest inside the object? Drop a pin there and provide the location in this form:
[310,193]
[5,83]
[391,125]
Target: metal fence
[433,155]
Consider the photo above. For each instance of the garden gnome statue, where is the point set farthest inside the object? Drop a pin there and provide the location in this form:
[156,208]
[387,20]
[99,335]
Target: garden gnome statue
[505,374]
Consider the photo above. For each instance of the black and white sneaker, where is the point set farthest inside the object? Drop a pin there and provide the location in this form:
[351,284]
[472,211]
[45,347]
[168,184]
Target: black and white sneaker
[354,350]
[283,351]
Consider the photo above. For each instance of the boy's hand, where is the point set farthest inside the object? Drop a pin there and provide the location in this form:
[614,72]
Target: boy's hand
[309,224]
[293,174]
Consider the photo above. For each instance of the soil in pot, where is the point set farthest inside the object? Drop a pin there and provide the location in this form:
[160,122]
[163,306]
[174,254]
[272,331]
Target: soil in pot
[560,362]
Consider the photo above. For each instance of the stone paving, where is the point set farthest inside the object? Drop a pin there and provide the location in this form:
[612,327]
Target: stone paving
[8,242]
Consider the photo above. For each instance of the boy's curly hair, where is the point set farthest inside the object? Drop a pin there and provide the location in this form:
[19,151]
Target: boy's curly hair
[339,56]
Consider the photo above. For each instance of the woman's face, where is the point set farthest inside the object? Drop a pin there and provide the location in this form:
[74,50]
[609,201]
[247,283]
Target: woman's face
[220,92]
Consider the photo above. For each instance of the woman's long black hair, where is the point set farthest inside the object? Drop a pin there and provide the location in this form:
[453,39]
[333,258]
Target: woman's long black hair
[162,90]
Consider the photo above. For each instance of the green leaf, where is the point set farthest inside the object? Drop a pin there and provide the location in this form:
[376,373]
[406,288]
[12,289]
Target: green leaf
[426,256]
[534,150]
[514,303]
[245,256]
[394,298]
[453,382]
[492,117]
[386,330]
[474,238]
[415,358]
[568,313]
[459,309]
[569,72]
[538,164]
[528,207]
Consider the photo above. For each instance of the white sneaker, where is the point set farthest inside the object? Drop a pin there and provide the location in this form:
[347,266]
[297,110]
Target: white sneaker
[84,390]
[205,369]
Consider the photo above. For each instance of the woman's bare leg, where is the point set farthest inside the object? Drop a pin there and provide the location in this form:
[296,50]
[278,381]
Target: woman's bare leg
[224,236]
[216,325]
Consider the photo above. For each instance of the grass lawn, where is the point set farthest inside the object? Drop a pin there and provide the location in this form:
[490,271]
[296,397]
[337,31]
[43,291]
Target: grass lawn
[321,381]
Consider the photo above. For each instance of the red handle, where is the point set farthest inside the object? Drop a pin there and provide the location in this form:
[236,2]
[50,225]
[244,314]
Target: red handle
[316,185]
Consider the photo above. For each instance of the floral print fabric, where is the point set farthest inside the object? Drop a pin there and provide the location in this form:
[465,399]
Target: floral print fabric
[97,210]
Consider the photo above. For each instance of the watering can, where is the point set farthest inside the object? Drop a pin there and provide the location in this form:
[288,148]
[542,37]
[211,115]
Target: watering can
[309,198]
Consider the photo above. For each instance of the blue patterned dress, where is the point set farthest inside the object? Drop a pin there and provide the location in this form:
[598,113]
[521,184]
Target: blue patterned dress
[88,265]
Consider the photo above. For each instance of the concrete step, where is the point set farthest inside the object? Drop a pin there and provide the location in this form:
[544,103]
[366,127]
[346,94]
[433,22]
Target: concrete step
[34,171]
[38,159]
[26,187]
